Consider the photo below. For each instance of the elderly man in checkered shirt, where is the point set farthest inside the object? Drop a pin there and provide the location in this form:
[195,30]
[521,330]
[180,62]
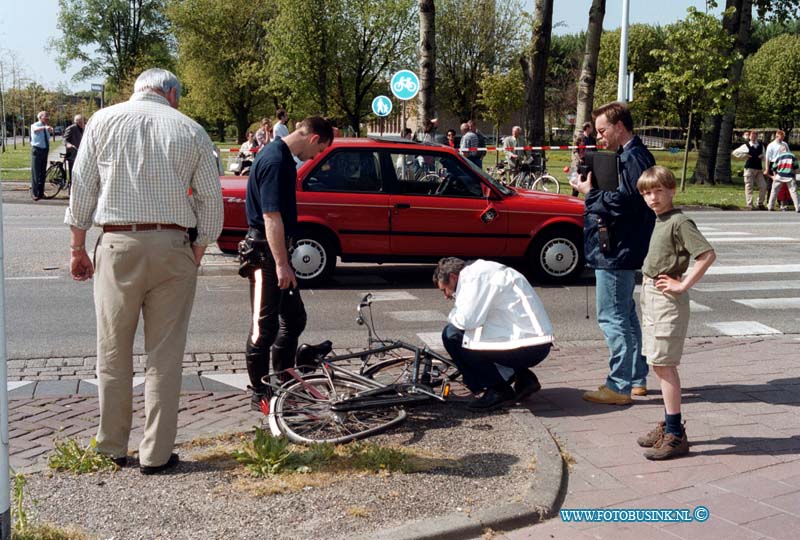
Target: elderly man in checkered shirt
[146,174]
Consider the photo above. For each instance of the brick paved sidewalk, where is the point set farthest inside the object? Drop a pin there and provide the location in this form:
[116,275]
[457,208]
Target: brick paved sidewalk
[741,398]
[740,403]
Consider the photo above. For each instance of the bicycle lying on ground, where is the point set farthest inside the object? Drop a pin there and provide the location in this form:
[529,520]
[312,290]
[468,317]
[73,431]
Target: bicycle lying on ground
[340,398]
[57,177]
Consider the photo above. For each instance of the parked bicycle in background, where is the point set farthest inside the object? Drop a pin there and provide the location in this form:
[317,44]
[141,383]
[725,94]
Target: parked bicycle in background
[57,178]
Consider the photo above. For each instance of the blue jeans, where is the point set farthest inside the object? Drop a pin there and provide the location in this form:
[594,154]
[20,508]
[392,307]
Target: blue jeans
[616,315]
[486,369]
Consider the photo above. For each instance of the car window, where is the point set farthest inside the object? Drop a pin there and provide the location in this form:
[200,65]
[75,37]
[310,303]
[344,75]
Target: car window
[348,171]
[420,173]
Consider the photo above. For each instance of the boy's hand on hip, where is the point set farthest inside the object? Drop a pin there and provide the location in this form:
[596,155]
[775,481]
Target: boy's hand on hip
[666,284]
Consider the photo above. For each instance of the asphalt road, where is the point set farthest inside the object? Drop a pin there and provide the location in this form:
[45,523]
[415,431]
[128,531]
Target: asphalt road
[752,289]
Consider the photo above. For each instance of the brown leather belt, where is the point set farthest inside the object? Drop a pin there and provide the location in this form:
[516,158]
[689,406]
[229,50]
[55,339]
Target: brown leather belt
[141,227]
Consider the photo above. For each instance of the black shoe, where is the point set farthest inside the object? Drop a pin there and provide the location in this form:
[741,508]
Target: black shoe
[492,399]
[155,469]
[526,384]
[120,461]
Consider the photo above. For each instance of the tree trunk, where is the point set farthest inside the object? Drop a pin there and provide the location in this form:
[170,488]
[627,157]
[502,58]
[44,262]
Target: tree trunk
[707,156]
[686,153]
[427,60]
[242,123]
[589,66]
[221,130]
[738,25]
[535,71]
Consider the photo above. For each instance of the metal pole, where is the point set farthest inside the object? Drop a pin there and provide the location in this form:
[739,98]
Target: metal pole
[622,80]
[5,465]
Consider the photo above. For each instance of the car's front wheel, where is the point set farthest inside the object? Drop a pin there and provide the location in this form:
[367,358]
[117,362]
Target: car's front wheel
[313,257]
[556,255]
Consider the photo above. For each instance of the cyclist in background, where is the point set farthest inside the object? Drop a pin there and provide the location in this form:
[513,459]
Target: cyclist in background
[497,330]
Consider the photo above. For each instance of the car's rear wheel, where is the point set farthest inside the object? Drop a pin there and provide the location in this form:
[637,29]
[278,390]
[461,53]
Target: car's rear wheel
[556,255]
[313,256]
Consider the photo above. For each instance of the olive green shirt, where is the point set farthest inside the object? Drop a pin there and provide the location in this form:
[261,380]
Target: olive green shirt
[674,243]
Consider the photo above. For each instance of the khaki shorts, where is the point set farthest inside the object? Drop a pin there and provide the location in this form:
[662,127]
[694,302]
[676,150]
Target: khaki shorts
[665,321]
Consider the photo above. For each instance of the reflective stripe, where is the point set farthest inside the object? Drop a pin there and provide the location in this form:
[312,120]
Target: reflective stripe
[257,275]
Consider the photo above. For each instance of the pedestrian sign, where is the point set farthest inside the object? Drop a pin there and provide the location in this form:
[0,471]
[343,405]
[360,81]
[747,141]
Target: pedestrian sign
[404,84]
[382,106]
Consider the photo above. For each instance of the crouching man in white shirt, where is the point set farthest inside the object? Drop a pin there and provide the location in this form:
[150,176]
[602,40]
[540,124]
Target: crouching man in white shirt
[496,331]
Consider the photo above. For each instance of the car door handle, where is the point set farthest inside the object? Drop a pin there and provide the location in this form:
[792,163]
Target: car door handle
[402,206]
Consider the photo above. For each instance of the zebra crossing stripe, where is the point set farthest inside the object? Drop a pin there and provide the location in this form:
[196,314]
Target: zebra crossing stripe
[769,303]
[729,286]
[743,328]
[742,270]
[694,307]
[419,316]
[432,340]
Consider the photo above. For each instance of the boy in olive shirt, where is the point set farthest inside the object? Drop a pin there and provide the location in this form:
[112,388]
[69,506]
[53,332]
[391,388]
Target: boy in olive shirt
[665,303]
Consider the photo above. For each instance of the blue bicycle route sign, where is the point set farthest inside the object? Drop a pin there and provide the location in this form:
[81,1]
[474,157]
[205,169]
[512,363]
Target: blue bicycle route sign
[382,105]
[404,84]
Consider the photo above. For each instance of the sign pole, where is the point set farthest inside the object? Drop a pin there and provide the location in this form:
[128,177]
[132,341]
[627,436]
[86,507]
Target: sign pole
[5,464]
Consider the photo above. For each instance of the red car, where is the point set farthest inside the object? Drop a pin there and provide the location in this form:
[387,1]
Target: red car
[382,200]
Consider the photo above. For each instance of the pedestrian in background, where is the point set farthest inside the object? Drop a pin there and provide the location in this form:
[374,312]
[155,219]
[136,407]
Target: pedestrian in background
[469,140]
[280,129]
[617,227]
[784,168]
[72,139]
[665,304]
[40,147]
[754,172]
[264,133]
[136,166]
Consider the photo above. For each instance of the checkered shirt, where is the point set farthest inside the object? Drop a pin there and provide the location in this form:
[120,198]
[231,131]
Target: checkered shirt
[144,162]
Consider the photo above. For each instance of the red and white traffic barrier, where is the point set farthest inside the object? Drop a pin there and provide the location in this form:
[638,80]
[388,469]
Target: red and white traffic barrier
[526,148]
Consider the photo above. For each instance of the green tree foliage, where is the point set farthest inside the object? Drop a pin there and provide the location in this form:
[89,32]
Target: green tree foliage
[222,46]
[563,70]
[113,38]
[693,70]
[643,39]
[772,84]
[473,37]
[501,94]
[302,41]
[333,57]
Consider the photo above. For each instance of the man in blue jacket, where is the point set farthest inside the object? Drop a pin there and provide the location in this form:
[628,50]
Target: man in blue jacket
[617,228]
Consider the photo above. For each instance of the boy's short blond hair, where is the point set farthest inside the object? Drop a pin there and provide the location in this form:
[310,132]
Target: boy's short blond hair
[654,177]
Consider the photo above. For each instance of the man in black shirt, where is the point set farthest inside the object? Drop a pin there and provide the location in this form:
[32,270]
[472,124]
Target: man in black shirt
[754,171]
[72,139]
[278,315]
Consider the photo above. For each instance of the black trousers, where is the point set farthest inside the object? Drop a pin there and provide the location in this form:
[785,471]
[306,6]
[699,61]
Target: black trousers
[38,169]
[278,317]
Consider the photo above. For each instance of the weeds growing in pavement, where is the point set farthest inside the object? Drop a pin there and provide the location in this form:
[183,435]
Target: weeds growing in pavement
[267,455]
[375,458]
[69,456]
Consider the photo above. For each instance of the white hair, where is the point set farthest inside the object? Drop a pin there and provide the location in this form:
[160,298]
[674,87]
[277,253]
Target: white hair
[157,79]
[41,114]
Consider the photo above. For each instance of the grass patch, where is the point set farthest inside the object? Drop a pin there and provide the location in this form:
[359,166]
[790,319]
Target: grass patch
[69,456]
[357,511]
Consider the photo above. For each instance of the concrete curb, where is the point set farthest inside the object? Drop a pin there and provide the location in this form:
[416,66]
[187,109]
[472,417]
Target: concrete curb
[542,500]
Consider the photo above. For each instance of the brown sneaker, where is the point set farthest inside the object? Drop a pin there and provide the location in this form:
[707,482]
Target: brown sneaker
[668,447]
[607,396]
[649,440]
[639,391]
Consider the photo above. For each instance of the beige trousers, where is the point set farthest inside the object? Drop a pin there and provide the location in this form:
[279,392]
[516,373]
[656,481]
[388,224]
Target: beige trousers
[152,273]
[756,175]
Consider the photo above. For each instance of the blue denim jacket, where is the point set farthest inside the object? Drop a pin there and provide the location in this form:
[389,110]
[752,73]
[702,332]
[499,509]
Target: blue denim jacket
[630,222]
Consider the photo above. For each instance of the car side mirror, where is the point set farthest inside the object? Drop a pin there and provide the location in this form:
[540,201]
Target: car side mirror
[488,215]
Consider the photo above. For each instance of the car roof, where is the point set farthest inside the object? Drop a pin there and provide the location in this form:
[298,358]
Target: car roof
[384,142]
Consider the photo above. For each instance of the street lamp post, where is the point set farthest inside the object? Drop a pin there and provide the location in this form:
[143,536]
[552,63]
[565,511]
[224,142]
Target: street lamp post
[622,80]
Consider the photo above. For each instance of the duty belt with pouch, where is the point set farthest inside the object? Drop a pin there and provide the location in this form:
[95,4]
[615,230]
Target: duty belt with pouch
[254,251]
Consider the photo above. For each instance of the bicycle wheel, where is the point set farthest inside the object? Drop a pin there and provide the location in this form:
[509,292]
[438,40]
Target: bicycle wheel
[547,183]
[523,180]
[401,370]
[306,419]
[54,180]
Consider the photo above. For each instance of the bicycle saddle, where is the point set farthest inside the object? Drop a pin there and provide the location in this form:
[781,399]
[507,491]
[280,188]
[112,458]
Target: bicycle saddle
[308,356]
